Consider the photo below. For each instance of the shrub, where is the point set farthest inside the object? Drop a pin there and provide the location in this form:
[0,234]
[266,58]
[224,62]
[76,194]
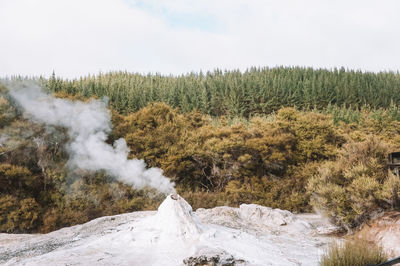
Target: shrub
[13,178]
[317,137]
[355,185]
[8,204]
[18,216]
[27,216]
[356,252]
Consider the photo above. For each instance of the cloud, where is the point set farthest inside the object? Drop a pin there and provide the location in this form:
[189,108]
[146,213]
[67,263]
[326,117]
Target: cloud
[76,37]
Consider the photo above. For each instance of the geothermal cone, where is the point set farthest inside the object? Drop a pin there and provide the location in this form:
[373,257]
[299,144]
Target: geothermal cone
[175,219]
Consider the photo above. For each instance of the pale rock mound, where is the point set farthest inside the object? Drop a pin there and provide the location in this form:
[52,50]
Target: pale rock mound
[253,217]
[175,219]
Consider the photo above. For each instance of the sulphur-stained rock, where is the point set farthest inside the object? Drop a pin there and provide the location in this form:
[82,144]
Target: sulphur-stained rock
[385,231]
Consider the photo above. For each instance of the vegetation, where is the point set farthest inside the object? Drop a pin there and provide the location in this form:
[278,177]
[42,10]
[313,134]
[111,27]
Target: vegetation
[223,138]
[38,192]
[233,93]
[354,186]
[355,252]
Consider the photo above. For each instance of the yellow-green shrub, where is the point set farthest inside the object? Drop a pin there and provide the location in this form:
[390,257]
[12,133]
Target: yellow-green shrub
[356,185]
[18,216]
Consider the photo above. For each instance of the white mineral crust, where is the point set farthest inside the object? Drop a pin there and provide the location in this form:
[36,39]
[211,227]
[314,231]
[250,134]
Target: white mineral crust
[251,235]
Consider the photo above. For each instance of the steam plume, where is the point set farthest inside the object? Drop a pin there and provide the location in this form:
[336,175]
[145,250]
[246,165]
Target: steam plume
[88,125]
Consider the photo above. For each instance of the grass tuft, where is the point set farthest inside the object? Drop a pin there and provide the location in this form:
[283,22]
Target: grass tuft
[353,253]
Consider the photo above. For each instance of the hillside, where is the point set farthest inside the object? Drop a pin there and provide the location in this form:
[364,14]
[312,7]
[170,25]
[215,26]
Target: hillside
[59,170]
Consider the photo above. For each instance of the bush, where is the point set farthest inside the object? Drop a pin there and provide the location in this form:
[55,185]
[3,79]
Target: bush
[27,216]
[356,185]
[18,216]
[356,252]
[8,204]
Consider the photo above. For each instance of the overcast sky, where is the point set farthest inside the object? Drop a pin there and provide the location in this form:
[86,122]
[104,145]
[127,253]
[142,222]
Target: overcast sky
[77,37]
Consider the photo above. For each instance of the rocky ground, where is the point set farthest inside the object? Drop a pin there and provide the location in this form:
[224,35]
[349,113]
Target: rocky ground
[175,235]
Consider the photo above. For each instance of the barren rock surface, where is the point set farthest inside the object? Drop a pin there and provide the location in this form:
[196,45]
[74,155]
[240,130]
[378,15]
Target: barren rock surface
[175,235]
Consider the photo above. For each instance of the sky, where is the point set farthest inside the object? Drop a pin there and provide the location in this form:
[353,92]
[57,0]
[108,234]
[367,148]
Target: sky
[78,37]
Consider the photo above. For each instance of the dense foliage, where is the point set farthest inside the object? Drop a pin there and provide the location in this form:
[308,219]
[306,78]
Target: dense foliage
[357,184]
[236,163]
[235,93]
[38,192]
[298,159]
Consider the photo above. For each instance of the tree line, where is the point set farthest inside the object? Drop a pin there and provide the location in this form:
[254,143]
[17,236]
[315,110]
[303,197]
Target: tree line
[239,94]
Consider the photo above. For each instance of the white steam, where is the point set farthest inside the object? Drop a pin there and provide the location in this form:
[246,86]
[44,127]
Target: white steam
[88,125]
